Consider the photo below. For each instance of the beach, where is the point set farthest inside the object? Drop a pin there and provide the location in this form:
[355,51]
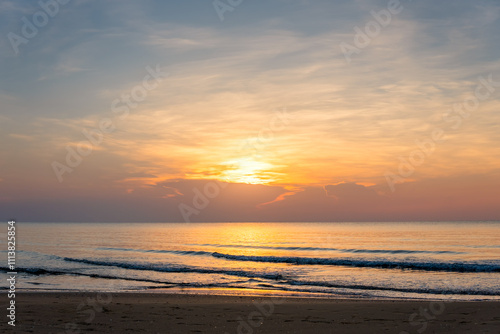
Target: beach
[72,312]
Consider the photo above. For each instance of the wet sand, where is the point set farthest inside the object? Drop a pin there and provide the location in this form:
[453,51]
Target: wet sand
[187,313]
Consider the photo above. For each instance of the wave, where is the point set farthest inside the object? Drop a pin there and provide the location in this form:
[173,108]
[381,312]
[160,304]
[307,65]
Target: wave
[279,283]
[34,271]
[382,264]
[394,289]
[165,284]
[42,271]
[465,267]
[175,269]
[159,251]
[342,250]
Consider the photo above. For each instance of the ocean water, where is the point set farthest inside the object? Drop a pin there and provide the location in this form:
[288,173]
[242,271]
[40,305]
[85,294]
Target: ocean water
[455,260]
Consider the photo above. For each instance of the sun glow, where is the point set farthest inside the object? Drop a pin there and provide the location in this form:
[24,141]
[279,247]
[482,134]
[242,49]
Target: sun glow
[247,170]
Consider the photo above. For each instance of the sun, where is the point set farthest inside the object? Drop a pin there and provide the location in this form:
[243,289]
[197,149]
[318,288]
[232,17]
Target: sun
[248,170]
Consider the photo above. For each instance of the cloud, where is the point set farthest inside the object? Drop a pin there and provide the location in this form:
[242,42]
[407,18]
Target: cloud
[351,122]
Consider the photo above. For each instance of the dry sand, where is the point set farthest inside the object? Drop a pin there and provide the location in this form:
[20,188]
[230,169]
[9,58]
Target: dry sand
[178,313]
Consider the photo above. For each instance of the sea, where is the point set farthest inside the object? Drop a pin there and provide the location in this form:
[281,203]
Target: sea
[379,260]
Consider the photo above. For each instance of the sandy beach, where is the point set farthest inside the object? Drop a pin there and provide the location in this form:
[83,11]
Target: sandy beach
[187,313]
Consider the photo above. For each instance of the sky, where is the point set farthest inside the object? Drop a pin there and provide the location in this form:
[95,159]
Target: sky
[283,110]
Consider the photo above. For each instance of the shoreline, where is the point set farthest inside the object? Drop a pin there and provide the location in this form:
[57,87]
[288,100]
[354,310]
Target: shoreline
[271,293]
[153,312]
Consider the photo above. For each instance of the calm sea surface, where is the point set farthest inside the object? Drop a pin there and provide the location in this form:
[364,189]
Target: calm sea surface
[363,260]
